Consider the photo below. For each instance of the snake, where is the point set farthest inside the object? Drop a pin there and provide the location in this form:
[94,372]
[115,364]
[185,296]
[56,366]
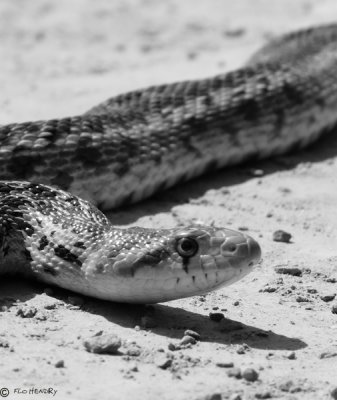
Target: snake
[59,175]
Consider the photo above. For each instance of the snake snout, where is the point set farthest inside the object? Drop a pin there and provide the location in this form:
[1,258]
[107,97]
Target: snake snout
[254,251]
[241,246]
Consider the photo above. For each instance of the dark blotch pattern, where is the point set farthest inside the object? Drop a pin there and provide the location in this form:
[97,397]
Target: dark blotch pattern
[43,242]
[67,255]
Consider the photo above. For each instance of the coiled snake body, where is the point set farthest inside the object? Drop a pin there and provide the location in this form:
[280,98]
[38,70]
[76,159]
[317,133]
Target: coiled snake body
[134,144]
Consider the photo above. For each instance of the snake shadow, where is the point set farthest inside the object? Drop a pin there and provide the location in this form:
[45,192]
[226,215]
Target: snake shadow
[322,150]
[161,319]
[171,322]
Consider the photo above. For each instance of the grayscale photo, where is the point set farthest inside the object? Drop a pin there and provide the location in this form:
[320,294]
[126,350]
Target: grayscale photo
[168,199]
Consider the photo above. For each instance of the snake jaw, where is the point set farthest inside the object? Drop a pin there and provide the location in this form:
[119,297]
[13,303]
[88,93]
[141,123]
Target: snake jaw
[160,273]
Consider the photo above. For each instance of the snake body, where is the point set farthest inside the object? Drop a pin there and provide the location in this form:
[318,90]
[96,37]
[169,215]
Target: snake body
[134,144]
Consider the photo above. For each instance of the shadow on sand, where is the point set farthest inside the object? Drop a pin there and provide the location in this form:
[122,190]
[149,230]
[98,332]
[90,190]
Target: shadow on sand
[166,320]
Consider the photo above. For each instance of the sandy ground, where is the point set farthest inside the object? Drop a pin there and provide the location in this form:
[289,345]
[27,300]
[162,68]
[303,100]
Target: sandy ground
[60,58]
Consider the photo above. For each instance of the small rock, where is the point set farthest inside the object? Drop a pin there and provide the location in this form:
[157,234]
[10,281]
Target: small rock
[291,355]
[234,373]
[225,364]
[51,306]
[334,309]
[162,361]
[134,368]
[331,280]
[328,297]
[281,236]
[4,343]
[173,347]
[26,312]
[187,340]
[287,386]
[214,396]
[104,344]
[263,395]
[236,396]
[302,299]
[216,317]
[194,334]
[250,375]
[268,289]
[133,352]
[333,393]
[242,349]
[329,353]
[59,364]
[312,291]
[294,271]
[236,303]
[243,228]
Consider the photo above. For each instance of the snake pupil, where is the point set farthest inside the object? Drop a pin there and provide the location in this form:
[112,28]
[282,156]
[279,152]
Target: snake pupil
[187,247]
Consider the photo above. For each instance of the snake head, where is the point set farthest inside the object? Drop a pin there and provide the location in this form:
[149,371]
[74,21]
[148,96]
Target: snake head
[179,263]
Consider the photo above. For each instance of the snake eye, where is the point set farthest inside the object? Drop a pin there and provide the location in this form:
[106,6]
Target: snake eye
[187,247]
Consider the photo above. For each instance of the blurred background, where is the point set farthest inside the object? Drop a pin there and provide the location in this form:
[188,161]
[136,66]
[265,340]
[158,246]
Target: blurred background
[60,58]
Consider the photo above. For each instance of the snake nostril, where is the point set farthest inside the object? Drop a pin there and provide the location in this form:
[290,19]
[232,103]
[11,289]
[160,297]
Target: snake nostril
[232,247]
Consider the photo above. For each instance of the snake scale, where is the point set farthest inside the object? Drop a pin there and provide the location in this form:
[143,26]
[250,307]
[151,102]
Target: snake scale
[134,144]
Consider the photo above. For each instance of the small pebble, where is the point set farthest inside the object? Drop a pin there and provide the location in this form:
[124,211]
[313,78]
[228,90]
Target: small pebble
[51,306]
[334,309]
[333,393]
[26,312]
[268,289]
[194,334]
[294,271]
[302,299]
[250,375]
[187,340]
[59,364]
[234,373]
[291,355]
[242,349]
[328,297]
[329,353]
[162,361]
[4,343]
[216,317]
[104,344]
[133,352]
[225,364]
[281,236]
[288,386]
[263,395]
[214,396]
[236,303]
[173,347]
[236,396]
